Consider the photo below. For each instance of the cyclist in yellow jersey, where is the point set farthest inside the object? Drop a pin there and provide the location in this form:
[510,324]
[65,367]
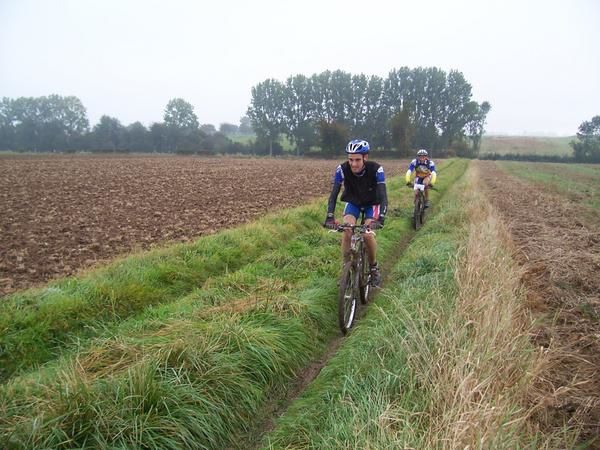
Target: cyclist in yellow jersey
[424,169]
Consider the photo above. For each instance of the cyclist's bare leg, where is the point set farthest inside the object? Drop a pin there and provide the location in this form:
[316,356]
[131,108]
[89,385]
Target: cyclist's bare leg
[347,236]
[371,245]
[427,182]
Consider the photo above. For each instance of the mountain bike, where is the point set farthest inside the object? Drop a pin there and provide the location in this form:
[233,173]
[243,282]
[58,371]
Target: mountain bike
[355,281]
[419,210]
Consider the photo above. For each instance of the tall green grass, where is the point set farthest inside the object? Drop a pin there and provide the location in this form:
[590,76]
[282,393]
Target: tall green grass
[37,325]
[441,360]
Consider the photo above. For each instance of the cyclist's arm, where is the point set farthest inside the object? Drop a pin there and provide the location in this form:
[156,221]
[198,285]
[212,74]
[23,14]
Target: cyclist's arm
[381,192]
[411,169]
[338,180]
[433,177]
[333,198]
[382,196]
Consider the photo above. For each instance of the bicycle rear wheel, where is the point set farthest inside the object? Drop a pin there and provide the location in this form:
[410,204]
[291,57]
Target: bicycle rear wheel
[347,297]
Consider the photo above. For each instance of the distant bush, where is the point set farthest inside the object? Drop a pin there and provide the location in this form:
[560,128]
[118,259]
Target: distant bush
[261,147]
[237,148]
[587,146]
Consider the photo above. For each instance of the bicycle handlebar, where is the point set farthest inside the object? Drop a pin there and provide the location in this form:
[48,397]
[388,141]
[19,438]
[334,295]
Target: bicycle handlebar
[361,228]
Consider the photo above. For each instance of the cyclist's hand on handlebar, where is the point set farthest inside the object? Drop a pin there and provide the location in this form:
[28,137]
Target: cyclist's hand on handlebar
[330,222]
[377,224]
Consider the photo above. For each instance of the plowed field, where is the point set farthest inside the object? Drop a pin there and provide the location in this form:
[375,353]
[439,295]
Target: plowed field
[64,213]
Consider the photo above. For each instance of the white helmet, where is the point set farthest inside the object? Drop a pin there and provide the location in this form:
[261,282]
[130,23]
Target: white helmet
[422,152]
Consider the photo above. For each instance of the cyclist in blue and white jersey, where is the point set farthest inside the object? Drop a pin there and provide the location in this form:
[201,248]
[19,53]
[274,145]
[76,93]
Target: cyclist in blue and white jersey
[424,169]
[364,193]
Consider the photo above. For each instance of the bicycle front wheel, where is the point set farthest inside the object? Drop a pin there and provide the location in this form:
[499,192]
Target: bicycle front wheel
[347,297]
[417,213]
[365,278]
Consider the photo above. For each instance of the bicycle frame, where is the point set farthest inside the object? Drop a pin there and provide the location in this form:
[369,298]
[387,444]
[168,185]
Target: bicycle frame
[418,218]
[356,277]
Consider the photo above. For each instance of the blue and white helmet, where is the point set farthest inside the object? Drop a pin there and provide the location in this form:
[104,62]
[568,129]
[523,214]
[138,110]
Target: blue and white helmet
[357,146]
[422,152]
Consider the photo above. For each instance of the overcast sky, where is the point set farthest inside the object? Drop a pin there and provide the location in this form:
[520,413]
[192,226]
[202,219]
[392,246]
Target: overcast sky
[536,62]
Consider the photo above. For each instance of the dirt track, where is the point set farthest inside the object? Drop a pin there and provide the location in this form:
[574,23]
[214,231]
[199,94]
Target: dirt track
[64,213]
[559,248]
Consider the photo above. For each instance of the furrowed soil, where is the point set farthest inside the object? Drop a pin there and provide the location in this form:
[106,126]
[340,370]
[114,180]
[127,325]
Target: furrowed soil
[558,242]
[64,213]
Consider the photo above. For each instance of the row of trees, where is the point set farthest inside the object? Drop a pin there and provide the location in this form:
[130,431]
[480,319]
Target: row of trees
[56,123]
[42,124]
[411,108]
[422,107]
[60,123]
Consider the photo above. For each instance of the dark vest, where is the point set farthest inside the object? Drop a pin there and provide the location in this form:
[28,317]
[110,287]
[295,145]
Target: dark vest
[361,190]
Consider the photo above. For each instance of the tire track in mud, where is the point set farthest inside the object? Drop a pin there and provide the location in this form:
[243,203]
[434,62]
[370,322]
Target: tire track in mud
[559,250]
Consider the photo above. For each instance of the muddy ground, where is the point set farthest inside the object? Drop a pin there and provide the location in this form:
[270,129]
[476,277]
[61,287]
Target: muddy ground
[63,213]
[558,244]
